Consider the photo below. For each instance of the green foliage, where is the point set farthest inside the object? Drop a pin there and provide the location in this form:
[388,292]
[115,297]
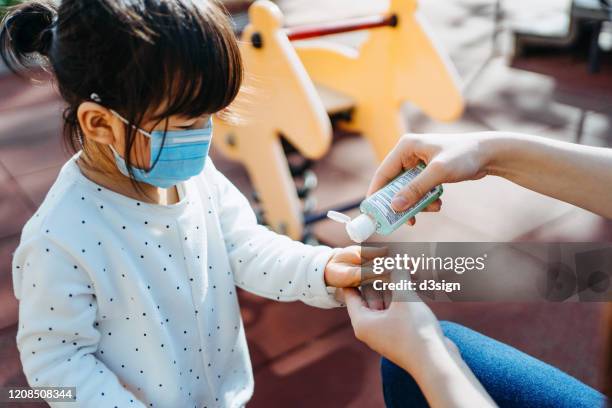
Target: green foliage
[6,3]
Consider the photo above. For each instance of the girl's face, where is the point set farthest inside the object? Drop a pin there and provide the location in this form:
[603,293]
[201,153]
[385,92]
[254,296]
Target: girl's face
[141,149]
[100,125]
[187,58]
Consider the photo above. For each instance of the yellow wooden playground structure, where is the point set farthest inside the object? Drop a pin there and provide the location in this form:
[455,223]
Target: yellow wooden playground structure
[297,77]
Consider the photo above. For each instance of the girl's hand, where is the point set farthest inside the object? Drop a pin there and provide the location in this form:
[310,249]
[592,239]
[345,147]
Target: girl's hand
[350,267]
[450,158]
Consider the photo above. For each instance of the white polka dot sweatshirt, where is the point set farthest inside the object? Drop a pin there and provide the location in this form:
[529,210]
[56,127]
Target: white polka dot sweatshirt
[135,304]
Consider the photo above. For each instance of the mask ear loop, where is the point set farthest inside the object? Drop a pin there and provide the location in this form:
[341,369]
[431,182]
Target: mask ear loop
[80,139]
[94,97]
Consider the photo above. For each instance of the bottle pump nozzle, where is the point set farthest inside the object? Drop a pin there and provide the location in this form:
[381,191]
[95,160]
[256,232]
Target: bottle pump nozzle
[358,229]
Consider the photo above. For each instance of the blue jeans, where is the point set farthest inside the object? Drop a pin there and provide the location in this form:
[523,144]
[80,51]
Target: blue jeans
[511,377]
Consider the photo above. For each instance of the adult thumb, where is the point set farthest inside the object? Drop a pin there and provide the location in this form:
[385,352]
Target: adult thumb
[354,301]
[413,192]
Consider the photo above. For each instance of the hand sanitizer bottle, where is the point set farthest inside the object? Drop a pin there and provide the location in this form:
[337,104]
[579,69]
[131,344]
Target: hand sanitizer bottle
[378,216]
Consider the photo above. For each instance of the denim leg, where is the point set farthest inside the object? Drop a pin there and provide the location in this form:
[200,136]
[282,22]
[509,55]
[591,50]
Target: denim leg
[399,388]
[511,377]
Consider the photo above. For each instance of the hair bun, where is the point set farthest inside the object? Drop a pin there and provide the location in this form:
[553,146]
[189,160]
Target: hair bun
[30,26]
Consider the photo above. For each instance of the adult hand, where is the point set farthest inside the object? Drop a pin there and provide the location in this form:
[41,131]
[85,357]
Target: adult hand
[449,158]
[407,332]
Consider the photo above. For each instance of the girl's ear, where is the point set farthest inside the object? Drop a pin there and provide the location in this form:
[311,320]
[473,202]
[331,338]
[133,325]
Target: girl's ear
[99,124]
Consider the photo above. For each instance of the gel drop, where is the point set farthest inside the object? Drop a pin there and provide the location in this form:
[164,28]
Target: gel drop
[378,216]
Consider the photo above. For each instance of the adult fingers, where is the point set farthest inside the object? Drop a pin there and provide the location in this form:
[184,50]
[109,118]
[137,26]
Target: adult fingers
[400,297]
[373,297]
[387,298]
[436,206]
[401,157]
[354,302]
[413,192]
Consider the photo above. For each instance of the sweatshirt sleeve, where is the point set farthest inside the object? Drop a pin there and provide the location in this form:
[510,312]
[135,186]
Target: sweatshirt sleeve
[56,336]
[266,263]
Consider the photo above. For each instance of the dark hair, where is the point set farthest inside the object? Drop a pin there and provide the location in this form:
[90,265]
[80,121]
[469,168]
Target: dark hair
[134,54]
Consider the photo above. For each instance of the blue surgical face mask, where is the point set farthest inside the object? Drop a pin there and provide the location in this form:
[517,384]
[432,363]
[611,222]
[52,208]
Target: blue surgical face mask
[181,157]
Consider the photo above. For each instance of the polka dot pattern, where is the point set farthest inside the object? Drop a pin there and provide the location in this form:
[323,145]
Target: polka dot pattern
[144,295]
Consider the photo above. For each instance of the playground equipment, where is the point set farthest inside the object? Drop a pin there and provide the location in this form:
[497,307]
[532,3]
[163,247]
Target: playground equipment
[280,105]
[397,64]
[278,99]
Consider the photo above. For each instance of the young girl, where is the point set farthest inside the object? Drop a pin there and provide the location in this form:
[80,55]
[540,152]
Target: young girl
[127,272]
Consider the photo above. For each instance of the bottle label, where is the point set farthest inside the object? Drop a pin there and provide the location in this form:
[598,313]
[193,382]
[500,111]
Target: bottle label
[382,199]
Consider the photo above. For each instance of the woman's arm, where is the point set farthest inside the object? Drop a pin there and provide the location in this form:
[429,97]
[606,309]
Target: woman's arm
[409,334]
[447,381]
[577,174]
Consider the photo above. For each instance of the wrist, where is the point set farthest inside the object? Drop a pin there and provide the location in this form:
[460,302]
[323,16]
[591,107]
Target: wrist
[498,150]
[436,364]
[447,381]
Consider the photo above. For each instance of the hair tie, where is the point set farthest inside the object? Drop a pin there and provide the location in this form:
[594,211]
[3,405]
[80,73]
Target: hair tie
[9,25]
[46,37]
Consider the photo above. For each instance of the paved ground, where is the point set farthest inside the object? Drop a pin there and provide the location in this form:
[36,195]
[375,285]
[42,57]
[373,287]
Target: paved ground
[308,357]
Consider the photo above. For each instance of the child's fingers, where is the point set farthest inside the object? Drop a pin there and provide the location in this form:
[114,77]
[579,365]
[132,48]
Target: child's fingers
[351,276]
[345,276]
[339,296]
[411,221]
[369,253]
[352,269]
[351,254]
[369,276]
